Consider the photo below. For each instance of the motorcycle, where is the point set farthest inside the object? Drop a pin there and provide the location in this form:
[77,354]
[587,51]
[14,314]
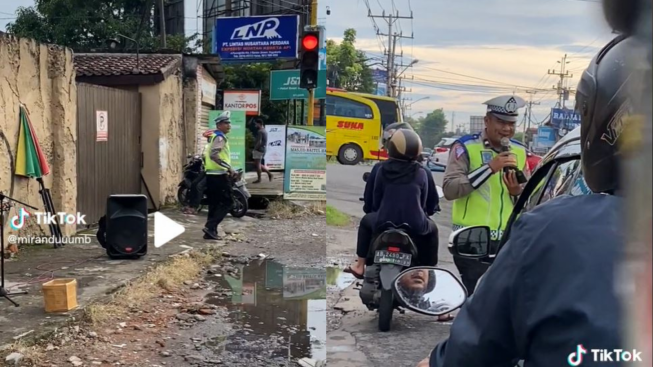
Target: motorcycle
[392,252]
[239,192]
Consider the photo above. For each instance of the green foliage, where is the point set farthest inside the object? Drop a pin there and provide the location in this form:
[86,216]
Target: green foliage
[431,128]
[257,76]
[346,65]
[89,24]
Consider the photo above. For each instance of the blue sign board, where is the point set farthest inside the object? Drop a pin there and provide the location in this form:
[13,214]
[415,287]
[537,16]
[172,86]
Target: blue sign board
[564,119]
[381,89]
[258,38]
[546,138]
[379,76]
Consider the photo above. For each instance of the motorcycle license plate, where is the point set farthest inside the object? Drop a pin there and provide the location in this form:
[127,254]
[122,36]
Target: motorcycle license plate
[396,258]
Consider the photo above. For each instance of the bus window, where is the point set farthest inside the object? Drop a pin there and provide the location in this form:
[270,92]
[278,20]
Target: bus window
[388,111]
[337,106]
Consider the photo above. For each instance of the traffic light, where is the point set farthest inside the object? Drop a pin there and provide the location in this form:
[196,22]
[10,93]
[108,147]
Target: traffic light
[310,60]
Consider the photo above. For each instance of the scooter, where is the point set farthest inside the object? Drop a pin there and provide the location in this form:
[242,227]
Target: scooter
[391,253]
[239,192]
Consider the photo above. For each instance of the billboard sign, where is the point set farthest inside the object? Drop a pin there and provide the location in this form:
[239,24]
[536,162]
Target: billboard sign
[284,85]
[546,138]
[242,100]
[564,119]
[257,38]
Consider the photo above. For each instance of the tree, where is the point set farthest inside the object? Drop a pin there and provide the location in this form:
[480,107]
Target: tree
[89,24]
[431,128]
[346,67]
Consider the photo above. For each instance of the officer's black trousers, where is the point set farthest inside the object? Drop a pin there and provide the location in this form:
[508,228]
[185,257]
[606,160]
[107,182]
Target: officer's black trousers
[218,194]
[471,269]
[427,244]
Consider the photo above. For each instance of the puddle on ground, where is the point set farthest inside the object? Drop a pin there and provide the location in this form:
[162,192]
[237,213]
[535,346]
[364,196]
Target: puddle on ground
[278,312]
[337,278]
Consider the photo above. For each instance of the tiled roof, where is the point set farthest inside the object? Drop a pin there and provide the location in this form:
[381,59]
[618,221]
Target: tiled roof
[123,64]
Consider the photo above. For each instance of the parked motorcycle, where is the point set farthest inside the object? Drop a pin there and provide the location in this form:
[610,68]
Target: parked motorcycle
[240,194]
[392,252]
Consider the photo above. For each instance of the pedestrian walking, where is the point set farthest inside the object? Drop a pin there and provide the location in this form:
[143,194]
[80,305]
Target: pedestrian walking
[260,147]
[217,163]
[482,192]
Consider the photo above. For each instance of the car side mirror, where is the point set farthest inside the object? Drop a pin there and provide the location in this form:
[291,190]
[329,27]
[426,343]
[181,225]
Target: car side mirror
[429,290]
[366,175]
[470,242]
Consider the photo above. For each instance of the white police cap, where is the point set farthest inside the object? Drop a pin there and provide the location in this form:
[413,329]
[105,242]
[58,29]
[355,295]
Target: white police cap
[505,108]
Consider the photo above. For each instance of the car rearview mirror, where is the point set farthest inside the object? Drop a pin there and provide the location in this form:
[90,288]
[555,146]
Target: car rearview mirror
[470,242]
[429,290]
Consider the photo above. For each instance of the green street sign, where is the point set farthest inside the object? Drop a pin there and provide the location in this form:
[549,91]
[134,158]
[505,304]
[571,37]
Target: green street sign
[284,85]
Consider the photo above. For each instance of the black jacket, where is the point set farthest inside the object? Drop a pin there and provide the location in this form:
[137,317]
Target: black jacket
[551,288]
[432,200]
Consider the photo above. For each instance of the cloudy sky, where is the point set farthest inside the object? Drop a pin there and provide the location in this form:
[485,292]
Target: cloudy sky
[467,50]
[471,50]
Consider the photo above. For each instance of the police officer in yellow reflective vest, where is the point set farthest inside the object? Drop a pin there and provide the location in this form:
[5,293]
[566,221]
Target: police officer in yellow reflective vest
[217,164]
[482,194]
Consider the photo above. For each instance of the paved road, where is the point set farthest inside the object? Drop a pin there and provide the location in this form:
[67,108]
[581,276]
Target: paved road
[356,341]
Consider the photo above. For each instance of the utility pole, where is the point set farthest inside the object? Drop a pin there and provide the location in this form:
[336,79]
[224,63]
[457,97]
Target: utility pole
[310,109]
[391,19]
[453,121]
[162,20]
[527,125]
[562,90]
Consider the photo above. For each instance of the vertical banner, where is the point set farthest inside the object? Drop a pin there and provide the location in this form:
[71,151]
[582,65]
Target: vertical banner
[236,136]
[275,153]
[305,167]
[102,124]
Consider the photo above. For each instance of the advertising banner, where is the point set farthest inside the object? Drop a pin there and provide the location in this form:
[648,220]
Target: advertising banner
[273,275]
[261,38]
[564,119]
[379,76]
[546,138]
[304,283]
[284,85]
[236,136]
[305,167]
[242,100]
[249,294]
[275,154]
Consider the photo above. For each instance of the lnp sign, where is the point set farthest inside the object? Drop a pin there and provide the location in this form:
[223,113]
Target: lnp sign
[564,119]
[242,100]
[284,85]
[256,38]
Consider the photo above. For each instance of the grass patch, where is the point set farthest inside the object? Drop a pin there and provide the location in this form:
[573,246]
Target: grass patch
[282,209]
[163,278]
[336,218]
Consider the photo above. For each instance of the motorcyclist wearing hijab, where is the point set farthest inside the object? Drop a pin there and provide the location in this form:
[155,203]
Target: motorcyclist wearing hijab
[400,196]
[552,286]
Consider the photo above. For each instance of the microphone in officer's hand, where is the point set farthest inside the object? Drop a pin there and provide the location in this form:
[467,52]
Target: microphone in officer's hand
[505,147]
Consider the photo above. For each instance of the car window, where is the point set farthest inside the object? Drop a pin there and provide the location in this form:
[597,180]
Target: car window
[337,106]
[561,181]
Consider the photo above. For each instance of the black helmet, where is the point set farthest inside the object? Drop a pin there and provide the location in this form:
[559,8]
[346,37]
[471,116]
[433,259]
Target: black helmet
[390,129]
[603,103]
[404,144]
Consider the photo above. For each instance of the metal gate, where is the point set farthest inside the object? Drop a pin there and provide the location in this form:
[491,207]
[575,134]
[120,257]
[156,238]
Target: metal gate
[111,166]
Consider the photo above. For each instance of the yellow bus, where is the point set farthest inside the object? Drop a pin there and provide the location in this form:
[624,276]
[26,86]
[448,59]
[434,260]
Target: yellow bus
[354,125]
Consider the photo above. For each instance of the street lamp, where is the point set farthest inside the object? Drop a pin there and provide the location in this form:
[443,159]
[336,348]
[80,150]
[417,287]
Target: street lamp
[421,99]
[114,43]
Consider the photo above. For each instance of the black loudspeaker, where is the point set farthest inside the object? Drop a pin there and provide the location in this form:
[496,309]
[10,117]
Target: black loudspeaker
[126,226]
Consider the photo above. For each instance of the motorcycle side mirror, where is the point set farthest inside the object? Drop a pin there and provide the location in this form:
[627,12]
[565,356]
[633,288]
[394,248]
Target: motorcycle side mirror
[429,290]
[470,242]
[366,175]
[189,156]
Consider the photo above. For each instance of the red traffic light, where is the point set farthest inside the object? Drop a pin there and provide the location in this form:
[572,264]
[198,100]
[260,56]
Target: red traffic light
[309,42]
